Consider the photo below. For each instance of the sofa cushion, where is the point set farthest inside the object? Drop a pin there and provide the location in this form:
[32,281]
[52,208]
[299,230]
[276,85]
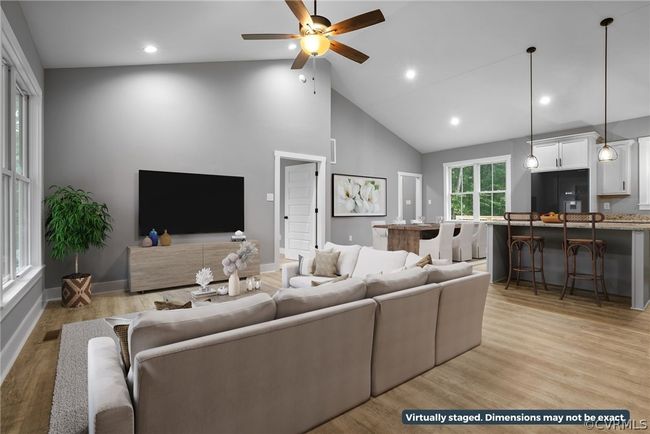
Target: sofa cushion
[411,259]
[336,279]
[293,301]
[373,261]
[305,281]
[325,263]
[442,273]
[162,327]
[391,282]
[347,259]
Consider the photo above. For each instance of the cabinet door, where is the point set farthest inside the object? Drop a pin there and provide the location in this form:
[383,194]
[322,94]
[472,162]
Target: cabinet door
[614,176]
[574,154]
[547,156]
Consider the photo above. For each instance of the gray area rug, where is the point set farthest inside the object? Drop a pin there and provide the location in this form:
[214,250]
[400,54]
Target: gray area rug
[70,402]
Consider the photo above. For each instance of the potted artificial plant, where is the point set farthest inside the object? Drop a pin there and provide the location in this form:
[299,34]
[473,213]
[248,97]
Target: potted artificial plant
[74,223]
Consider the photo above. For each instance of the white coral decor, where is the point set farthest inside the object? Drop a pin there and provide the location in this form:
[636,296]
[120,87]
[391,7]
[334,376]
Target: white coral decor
[204,277]
[239,260]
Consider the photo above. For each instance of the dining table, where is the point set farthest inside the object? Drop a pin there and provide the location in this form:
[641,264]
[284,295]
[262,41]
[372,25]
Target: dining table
[407,236]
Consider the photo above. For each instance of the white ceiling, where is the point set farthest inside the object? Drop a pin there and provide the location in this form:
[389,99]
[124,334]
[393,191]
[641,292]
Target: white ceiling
[469,56]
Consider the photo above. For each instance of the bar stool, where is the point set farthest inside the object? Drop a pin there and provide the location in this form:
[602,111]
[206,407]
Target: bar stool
[595,247]
[531,241]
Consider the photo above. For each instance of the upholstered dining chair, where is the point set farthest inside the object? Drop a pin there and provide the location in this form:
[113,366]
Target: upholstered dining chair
[379,235]
[461,245]
[440,246]
[479,241]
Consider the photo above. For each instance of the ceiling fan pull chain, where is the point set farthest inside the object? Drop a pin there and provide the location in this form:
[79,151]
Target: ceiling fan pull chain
[313,78]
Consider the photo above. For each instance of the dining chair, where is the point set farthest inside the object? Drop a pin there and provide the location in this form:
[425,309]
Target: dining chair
[379,235]
[479,241]
[462,243]
[440,246]
[594,246]
[516,243]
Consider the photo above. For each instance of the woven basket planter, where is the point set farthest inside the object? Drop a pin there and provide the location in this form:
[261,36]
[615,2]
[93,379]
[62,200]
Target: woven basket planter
[76,290]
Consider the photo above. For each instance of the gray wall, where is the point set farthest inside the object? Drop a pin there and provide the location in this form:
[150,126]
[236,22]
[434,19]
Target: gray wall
[365,147]
[432,164]
[103,124]
[12,320]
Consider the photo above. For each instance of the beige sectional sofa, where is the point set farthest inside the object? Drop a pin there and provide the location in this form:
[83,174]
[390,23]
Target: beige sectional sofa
[286,363]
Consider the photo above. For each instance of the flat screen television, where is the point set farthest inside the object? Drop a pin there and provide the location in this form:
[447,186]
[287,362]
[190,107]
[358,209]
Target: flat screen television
[188,203]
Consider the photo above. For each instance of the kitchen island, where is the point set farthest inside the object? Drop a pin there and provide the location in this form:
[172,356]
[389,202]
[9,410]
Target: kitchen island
[627,260]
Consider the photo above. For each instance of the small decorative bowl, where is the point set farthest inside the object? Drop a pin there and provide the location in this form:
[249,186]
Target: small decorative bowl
[550,218]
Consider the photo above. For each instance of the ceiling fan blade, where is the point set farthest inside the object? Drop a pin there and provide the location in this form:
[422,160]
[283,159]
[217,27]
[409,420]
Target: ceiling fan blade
[347,51]
[300,11]
[300,61]
[260,36]
[355,23]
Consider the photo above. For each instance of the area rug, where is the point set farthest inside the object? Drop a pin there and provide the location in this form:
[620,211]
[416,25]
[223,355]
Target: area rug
[70,402]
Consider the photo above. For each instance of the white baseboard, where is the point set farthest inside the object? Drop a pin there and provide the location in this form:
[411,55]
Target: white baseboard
[113,285]
[265,268]
[12,349]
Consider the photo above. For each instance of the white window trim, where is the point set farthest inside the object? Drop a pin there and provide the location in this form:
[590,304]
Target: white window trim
[475,162]
[11,50]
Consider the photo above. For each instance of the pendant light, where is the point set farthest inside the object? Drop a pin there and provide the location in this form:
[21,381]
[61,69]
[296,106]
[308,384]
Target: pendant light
[606,153]
[531,161]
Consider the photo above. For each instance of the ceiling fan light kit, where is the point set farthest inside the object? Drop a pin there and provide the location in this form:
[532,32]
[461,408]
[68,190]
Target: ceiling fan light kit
[316,32]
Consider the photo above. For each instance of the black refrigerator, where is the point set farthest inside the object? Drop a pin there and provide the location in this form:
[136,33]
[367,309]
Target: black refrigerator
[562,191]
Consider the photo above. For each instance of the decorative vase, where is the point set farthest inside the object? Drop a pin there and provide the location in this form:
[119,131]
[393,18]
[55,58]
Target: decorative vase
[147,242]
[154,237]
[233,284]
[165,239]
[76,290]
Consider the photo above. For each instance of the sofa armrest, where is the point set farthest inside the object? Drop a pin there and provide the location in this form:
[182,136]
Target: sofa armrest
[110,409]
[288,271]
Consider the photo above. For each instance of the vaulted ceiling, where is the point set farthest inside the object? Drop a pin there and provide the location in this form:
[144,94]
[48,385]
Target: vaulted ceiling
[469,57]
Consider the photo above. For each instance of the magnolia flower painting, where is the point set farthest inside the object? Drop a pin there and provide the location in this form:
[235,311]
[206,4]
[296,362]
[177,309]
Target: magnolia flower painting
[358,196]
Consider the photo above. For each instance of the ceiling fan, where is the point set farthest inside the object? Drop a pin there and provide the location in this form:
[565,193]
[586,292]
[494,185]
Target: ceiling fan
[315,32]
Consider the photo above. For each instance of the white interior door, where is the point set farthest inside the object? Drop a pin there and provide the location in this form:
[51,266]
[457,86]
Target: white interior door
[299,209]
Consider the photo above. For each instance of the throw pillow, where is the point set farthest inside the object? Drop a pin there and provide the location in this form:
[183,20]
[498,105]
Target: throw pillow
[120,327]
[325,263]
[424,261]
[338,279]
[168,305]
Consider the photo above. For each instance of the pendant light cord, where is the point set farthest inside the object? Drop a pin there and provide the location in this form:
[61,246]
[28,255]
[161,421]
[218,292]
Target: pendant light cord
[606,87]
[531,103]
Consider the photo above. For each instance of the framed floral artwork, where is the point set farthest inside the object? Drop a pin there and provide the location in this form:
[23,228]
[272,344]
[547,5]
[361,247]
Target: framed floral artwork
[358,196]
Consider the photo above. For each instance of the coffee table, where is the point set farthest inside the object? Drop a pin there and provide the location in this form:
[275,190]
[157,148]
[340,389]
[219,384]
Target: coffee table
[202,300]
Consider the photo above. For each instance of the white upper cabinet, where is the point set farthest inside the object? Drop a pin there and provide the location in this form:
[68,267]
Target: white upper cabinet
[574,154]
[644,173]
[564,153]
[614,176]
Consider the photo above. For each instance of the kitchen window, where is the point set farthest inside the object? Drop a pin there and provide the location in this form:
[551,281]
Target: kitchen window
[477,189]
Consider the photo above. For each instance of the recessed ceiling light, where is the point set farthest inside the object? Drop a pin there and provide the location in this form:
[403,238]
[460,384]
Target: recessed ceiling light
[292,46]
[545,100]
[454,121]
[410,74]
[150,49]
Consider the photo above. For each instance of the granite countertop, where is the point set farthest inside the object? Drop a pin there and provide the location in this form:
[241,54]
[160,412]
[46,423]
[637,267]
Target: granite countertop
[620,225]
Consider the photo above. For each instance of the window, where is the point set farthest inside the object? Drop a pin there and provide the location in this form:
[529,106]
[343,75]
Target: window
[477,189]
[16,182]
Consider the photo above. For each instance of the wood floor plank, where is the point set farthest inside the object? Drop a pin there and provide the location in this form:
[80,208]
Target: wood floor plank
[537,352]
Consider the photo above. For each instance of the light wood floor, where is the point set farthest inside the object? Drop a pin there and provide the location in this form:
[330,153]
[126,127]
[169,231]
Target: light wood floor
[537,352]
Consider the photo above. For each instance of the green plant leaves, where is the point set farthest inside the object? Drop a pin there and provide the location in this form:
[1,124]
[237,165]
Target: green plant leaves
[75,222]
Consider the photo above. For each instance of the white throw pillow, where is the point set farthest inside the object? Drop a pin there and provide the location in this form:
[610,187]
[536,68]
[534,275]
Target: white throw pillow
[373,261]
[442,273]
[411,260]
[347,258]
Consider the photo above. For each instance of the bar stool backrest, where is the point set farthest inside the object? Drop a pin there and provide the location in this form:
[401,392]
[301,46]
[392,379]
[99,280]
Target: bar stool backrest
[529,217]
[581,217]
